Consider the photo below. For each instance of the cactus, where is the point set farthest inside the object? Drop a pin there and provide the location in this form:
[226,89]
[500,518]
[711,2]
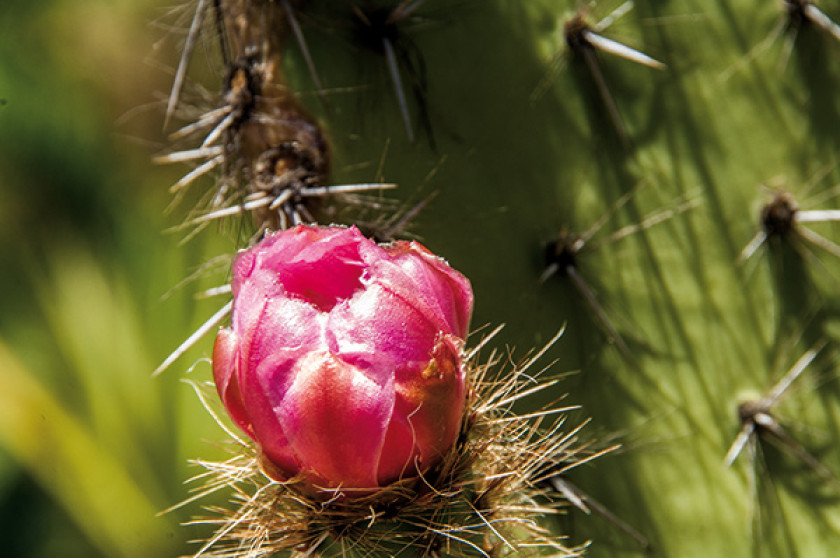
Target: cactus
[699,310]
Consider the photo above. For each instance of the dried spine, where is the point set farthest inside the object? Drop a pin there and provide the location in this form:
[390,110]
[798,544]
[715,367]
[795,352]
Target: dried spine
[273,155]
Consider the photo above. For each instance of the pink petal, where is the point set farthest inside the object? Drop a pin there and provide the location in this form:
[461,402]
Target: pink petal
[318,264]
[284,331]
[324,272]
[277,247]
[249,305]
[334,416]
[378,326]
[399,452]
[437,291]
[284,323]
[225,376]
[259,399]
[433,401]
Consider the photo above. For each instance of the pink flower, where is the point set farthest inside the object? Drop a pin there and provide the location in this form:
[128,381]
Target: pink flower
[343,358]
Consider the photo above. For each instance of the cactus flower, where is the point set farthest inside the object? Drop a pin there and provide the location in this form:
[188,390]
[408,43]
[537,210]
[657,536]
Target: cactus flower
[343,357]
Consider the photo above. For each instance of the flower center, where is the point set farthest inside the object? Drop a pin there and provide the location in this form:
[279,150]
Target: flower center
[324,283]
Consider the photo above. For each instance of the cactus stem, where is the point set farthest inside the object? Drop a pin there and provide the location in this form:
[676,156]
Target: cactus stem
[561,256]
[304,49]
[587,504]
[583,39]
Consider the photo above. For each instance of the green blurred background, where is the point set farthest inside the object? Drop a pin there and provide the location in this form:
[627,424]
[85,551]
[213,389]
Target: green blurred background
[92,448]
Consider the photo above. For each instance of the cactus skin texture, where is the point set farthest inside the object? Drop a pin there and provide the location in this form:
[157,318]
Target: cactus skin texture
[733,110]
[523,148]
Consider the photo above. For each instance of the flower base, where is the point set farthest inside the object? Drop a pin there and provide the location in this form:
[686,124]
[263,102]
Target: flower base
[485,498]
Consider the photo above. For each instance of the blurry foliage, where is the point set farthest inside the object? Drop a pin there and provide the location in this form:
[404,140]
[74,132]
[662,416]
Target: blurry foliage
[91,446]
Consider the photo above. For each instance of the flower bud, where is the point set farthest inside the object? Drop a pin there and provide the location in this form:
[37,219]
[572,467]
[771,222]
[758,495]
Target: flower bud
[343,357]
